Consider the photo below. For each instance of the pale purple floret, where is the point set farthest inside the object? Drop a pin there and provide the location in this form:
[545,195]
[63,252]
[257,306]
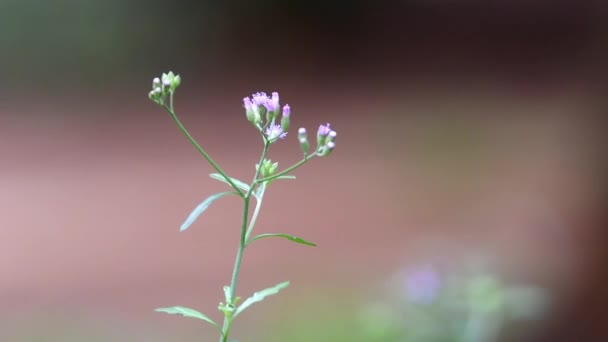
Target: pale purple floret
[324,130]
[331,145]
[260,99]
[274,132]
[272,104]
[247,104]
[286,110]
[302,131]
[422,285]
[332,134]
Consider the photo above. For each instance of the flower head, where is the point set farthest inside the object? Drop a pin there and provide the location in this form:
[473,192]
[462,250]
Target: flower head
[322,133]
[272,104]
[247,104]
[260,99]
[286,110]
[324,130]
[275,132]
[285,118]
[252,115]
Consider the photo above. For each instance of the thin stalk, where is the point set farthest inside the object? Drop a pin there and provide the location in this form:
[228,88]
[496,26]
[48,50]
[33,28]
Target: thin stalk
[243,242]
[237,269]
[199,148]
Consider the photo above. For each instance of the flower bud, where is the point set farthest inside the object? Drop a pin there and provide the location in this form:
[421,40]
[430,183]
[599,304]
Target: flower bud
[273,107]
[175,82]
[322,133]
[326,150]
[249,109]
[156,83]
[303,140]
[267,169]
[285,118]
[165,79]
[331,137]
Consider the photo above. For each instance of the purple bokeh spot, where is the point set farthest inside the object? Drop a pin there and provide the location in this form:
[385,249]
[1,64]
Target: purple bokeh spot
[422,285]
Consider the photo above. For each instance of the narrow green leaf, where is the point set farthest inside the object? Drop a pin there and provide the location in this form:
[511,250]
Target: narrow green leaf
[187,312]
[259,296]
[287,177]
[284,236]
[242,185]
[201,208]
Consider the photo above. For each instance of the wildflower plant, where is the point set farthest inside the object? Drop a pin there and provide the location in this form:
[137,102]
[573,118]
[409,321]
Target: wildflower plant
[272,122]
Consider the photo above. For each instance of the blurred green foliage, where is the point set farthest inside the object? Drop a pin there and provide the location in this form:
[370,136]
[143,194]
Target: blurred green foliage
[64,43]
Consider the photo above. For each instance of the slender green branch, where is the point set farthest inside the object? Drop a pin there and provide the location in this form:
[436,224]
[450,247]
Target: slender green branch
[200,149]
[287,170]
[236,270]
[239,256]
[243,242]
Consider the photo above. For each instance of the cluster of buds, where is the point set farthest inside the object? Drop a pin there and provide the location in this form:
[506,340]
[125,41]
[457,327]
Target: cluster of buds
[263,110]
[326,140]
[163,86]
[268,168]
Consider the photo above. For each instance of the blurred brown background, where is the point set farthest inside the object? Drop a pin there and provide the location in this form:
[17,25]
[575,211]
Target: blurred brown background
[465,128]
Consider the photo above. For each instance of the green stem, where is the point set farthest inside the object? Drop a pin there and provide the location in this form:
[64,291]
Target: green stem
[237,269]
[243,242]
[199,148]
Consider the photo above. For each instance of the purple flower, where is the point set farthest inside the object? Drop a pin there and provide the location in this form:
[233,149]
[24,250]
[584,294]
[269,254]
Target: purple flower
[247,104]
[286,111]
[324,130]
[272,104]
[260,99]
[422,285]
[274,132]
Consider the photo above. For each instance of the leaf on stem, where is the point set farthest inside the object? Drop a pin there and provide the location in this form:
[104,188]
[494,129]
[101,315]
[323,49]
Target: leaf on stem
[187,312]
[286,177]
[259,296]
[242,185]
[284,236]
[201,208]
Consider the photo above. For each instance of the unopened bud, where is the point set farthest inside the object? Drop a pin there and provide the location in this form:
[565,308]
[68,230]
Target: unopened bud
[303,140]
[175,82]
[267,169]
[326,149]
[156,83]
[331,137]
[285,118]
[249,109]
[322,133]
